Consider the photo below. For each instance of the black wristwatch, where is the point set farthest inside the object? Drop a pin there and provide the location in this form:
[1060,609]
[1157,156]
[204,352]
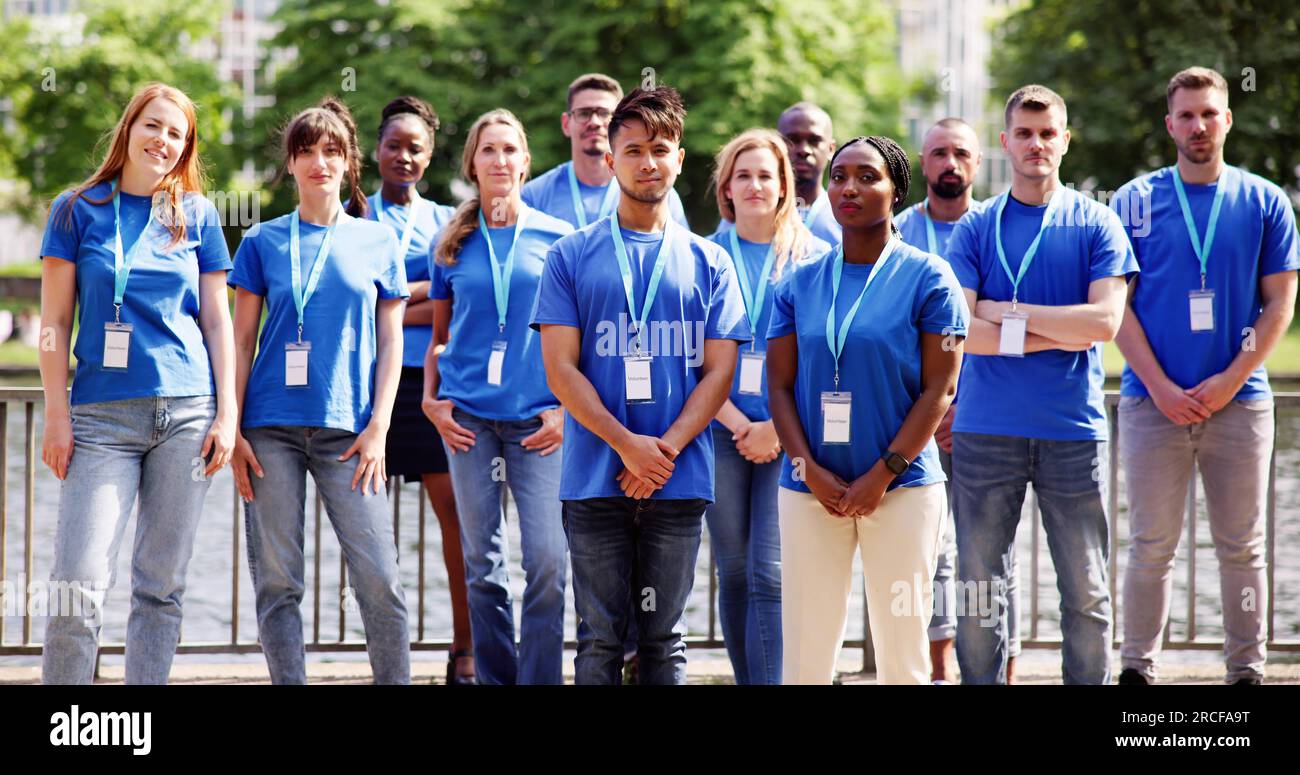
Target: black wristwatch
[895,462]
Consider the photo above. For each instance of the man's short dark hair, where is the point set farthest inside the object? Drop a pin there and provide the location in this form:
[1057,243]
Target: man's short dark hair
[1195,78]
[593,81]
[1033,97]
[660,109]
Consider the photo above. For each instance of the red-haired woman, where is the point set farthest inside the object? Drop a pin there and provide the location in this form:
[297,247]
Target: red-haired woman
[139,251]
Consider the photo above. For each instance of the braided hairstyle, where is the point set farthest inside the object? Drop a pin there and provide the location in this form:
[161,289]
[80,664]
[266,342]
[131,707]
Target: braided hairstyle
[896,163]
[329,117]
[412,106]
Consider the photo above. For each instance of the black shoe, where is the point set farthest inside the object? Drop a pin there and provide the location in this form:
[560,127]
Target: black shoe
[1131,677]
[1248,681]
[459,680]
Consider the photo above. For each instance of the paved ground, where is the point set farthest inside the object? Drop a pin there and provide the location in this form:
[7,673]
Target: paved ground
[1036,666]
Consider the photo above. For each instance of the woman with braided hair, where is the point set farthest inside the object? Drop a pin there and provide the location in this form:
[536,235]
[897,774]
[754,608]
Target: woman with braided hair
[863,352]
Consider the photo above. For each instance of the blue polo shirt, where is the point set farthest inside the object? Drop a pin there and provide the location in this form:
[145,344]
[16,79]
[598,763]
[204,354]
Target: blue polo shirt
[755,254]
[1255,236]
[1051,394]
[432,217]
[168,356]
[880,366]
[550,193]
[339,320]
[698,299]
[463,366]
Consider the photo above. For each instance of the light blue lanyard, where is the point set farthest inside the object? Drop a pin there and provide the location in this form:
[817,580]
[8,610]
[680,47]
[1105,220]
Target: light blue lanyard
[1202,250]
[836,343]
[753,298]
[301,296]
[1033,246]
[625,267]
[606,205]
[412,212]
[122,264]
[815,210]
[501,275]
[930,240]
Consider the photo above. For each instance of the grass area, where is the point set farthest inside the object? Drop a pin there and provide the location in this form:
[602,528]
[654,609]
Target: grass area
[1283,361]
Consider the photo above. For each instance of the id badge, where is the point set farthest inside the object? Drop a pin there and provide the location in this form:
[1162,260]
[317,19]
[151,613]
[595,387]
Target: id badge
[1014,327]
[295,363]
[1201,306]
[751,373]
[117,345]
[495,361]
[636,379]
[836,414]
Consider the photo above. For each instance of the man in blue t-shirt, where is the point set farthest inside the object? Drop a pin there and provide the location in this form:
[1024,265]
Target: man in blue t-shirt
[810,138]
[1219,256]
[950,160]
[1043,270]
[581,190]
[640,321]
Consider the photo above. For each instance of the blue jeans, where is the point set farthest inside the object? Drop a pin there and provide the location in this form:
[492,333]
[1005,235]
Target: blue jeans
[274,523]
[745,536]
[634,555]
[990,475]
[479,477]
[140,446]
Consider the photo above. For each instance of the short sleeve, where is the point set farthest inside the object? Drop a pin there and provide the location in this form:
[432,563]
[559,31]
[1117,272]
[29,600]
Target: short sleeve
[726,318]
[1278,251]
[213,254]
[556,302]
[62,232]
[943,306]
[439,287]
[248,273]
[1111,253]
[963,251]
[782,318]
[391,277]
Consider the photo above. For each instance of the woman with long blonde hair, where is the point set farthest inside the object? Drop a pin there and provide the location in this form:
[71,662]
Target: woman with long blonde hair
[486,393]
[755,190]
[138,250]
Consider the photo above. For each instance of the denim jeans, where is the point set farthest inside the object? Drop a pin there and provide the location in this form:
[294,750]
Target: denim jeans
[479,478]
[274,522]
[636,555]
[943,624]
[990,478]
[745,536]
[1232,450]
[140,446]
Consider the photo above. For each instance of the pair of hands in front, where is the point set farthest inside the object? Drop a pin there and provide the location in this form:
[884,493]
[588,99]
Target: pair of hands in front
[368,448]
[648,460]
[842,499]
[546,440]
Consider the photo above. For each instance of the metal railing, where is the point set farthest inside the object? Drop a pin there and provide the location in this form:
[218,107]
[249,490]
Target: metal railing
[29,398]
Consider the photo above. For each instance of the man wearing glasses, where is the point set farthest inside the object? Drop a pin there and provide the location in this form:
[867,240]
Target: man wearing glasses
[583,191]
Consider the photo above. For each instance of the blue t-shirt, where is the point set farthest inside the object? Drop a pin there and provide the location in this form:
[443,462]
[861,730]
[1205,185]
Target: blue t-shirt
[168,356]
[1051,394]
[1255,236]
[415,339]
[880,365]
[698,299]
[823,226]
[755,407]
[550,193]
[463,366]
[339,320]
[911,225]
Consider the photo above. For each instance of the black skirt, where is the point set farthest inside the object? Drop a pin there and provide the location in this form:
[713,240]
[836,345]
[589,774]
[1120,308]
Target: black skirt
[414,446]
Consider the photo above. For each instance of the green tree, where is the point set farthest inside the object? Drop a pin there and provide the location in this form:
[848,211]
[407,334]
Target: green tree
[738,63]
[1111,60]
[67,89]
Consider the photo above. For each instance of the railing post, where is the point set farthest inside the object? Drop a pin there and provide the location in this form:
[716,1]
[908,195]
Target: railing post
[29,560]
[234,566]
[420,615]
[1112,494]
[4,509]
[1035,530]
[1191,556]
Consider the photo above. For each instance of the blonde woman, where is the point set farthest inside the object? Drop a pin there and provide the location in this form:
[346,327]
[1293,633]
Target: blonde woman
[755,188]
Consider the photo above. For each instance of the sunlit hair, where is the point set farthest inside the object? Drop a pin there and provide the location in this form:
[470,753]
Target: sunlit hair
[465,220]
[331,119]
[1195,78]
[186,176]
[791,240]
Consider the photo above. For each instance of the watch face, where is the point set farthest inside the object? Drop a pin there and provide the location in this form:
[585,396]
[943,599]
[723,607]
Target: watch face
[896,463]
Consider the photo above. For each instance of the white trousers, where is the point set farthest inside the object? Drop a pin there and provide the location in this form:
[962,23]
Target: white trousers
[900,547]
